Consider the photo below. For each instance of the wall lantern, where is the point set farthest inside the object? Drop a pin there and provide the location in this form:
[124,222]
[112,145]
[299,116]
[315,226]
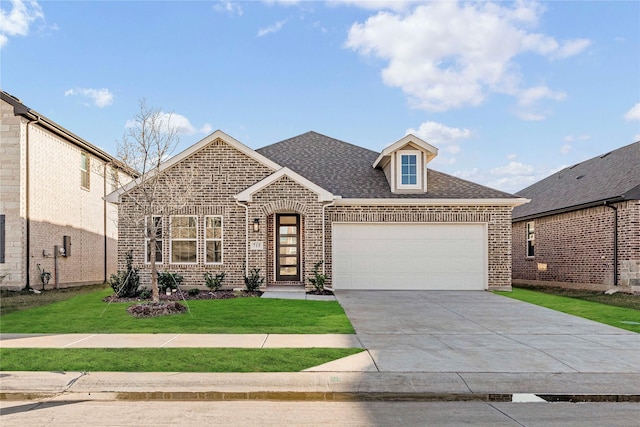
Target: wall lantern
[256,225]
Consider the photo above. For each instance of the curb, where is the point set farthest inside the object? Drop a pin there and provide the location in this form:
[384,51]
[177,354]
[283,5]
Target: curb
[284,396]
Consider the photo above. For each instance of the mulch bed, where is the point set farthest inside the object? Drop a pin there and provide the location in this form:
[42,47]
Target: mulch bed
[170,304]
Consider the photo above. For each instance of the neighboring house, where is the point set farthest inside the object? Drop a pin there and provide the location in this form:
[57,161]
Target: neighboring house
[375,220]
[52,185]
[582,227]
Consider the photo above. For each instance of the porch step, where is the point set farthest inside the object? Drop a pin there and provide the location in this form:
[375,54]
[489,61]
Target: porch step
[286,288]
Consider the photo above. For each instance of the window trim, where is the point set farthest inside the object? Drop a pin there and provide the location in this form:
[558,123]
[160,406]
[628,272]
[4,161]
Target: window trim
[172,239]
[419,176]
[85,174]
[159,241]
[530,230]
[214,239]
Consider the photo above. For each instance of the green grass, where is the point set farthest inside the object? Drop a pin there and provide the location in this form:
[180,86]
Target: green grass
[87,313]
[603,313]
[168,359]
[11,301]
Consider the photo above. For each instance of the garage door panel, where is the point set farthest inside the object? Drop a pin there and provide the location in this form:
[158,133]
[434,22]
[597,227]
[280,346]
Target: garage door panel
[409,256]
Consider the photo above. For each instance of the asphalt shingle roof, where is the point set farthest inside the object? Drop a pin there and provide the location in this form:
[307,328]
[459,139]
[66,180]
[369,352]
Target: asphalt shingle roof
[608,177]
[346,170]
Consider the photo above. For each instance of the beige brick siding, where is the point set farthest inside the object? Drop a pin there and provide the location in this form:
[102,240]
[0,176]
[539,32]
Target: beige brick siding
[219,172]
[497,218]
[57,206]
[577,247]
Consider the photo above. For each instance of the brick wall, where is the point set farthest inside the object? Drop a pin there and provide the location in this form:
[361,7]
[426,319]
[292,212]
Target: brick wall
[497,218]
[12,168]
[209,179]
[57,206]
[577,247]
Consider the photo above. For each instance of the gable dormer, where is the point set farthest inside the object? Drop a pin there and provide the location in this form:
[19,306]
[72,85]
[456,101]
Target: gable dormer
[405,164]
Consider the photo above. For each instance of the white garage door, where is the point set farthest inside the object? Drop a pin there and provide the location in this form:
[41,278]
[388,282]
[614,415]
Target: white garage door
[409,256]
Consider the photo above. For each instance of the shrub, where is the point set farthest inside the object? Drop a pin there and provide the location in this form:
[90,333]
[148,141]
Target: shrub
[318,278]
[253,281]
[193,292]
[125,283]
[214,282]
[167,280]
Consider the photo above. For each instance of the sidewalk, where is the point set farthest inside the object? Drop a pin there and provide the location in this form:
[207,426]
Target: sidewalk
[178,340]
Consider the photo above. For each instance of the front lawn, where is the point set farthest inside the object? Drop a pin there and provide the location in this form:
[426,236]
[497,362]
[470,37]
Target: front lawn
[87,313]
[620,317]
[168,359]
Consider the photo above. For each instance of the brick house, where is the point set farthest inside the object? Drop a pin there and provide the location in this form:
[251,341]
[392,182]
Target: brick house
[376,220]
[51,197]
[582,226]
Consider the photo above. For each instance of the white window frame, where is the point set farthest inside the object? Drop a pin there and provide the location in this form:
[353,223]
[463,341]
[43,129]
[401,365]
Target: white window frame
[531,237]
[85,173]
[182,239]
[419,172]
[214,239]
[159,241]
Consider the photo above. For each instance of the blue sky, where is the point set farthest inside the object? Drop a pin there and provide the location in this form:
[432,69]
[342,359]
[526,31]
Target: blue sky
[509,92]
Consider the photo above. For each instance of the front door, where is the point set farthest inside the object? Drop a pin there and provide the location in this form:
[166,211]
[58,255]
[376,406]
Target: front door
[288,247]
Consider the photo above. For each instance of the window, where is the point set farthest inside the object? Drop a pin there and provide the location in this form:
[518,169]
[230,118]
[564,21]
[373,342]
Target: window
[184,243]
[213,239]
[409,170]
[156,229]
[531,239]
[409,173]
[2,239]
[84,170]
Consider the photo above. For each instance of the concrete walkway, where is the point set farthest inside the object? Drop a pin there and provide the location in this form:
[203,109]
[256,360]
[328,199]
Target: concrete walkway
[179,340]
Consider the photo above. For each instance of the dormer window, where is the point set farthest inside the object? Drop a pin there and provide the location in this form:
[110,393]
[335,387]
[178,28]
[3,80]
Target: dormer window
[409,170]
[405,164]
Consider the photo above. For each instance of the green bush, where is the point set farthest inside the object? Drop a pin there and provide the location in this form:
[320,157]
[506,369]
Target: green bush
[318,278]
[193,292]
[253,281]
[214,282]
[125,283]
[167,280]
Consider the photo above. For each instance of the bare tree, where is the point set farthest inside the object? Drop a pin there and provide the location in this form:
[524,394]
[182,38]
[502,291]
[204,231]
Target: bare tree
[159,190]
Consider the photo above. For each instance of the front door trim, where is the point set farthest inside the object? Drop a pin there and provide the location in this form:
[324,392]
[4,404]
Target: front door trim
[288,247]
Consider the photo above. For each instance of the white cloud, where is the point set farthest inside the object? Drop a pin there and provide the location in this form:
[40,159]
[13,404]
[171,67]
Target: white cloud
[633,114]
[272,28]
[442,137]
[230,7]
[17,21]
[176,121]
[565,149]
[446,55]
[99,97]
[530,96]
[512,169]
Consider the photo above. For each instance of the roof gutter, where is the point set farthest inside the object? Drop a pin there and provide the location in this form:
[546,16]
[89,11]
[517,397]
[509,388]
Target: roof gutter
[570,209]
[431,202]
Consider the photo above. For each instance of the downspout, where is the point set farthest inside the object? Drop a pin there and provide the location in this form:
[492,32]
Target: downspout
[27,206]
[615,242]
[246,238]
[104,219]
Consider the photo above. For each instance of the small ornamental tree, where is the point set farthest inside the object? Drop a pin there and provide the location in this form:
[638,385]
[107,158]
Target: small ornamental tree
[157,191]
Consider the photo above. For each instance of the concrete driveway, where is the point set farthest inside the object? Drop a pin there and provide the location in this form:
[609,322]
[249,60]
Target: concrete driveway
[469,331]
